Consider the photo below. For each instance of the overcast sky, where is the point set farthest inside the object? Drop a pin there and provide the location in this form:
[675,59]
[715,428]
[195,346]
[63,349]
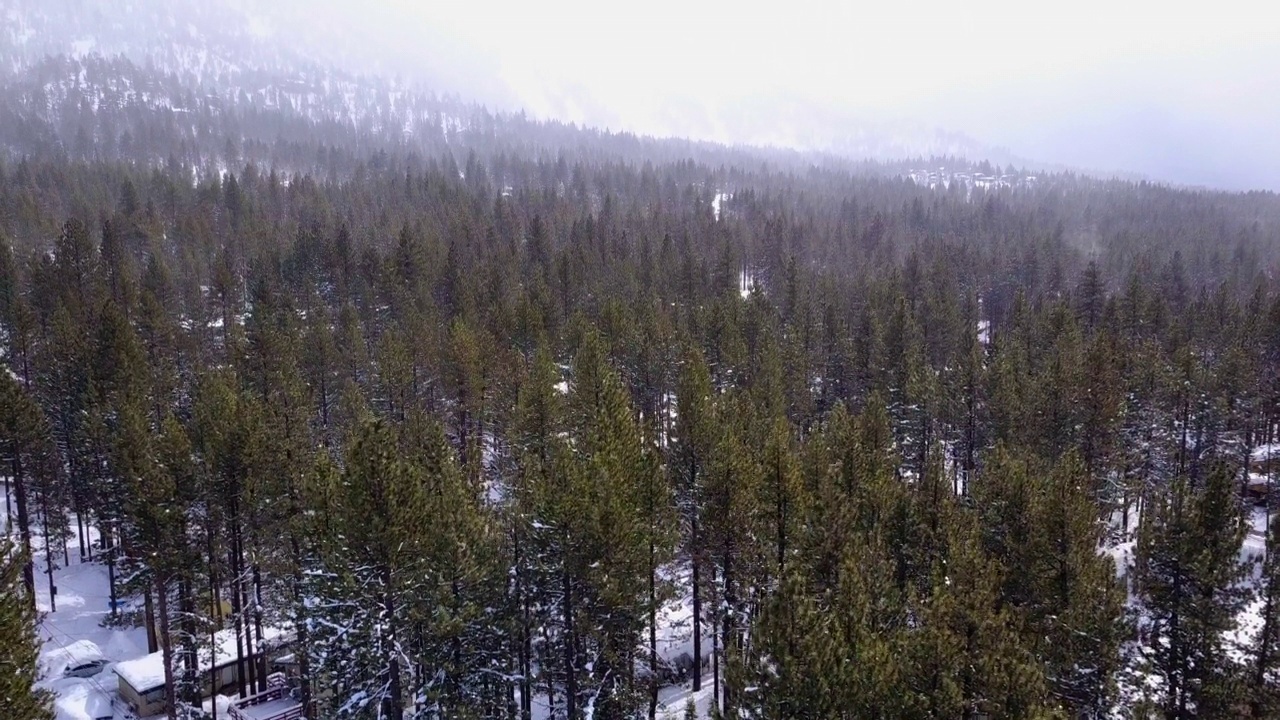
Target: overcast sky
[1185,94]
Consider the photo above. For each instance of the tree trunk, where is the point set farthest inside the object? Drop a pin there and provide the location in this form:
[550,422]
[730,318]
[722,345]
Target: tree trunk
[395,701]
[730,607]
[213,676]
[570,659]
[48,552]
[153,644]
[715,646]
[653,630]
[24,528]
[78,502]
[215,598]
[261,664]
[80,533]
[551,684]
[190,662]
[109,548]
[526,639]
[166,646]
[237,614]
[696,582]
[304,648]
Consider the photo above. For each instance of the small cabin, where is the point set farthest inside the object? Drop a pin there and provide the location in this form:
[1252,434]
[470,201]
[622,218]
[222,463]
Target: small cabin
[142,685]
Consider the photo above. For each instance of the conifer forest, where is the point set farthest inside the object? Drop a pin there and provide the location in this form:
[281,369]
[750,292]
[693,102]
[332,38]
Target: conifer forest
[512,418]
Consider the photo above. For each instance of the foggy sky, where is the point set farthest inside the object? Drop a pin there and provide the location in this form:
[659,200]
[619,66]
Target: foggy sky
[1153,88]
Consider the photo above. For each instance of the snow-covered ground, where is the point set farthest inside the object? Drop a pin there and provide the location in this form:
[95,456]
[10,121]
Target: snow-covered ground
[675,638]
[75,632]
[1249,621]
[1134,683]
[671,702]
[717,203]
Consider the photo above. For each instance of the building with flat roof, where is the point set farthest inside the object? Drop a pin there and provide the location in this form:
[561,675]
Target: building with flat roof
[141,680]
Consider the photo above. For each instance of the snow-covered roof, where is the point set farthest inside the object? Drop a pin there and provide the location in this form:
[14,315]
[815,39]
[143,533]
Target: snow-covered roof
[144,673]
[147,672]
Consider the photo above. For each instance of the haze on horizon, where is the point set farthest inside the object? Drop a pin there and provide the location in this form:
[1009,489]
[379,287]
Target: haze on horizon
[1182,97]
[1140,89]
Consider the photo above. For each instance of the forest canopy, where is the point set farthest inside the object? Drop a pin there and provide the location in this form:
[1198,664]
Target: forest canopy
[477,416]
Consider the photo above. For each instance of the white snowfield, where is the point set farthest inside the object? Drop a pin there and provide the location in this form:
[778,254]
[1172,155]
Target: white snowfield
[1265,453]
[77,699]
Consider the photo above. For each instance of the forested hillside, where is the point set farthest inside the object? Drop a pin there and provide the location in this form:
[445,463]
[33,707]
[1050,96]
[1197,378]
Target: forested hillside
[513,419]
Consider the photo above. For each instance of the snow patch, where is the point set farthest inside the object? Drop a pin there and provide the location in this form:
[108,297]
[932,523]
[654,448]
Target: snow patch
[717,203]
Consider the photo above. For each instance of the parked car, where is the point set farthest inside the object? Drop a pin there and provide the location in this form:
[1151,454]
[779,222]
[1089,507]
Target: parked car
[79,659]
[86,669]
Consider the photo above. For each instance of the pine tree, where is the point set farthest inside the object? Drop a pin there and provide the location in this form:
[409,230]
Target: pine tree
[1264,695]
[538,415]
[835,653]
[1060,385]
[19,436]
[966,655]
[454,637]
[1189,573]
[1148,450]
[690,458]
[1077,605]
[63,387]
[1101,406]
[782,502]
[1090,297]
[18,644]
[732,494]
[629,511]
[1014,395]
[155,527]
[374,577]
[972,415]
[229,435]
[118,381]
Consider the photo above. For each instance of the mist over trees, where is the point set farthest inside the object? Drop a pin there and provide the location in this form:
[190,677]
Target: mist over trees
[476,404]
[473,425]
[1134,95]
